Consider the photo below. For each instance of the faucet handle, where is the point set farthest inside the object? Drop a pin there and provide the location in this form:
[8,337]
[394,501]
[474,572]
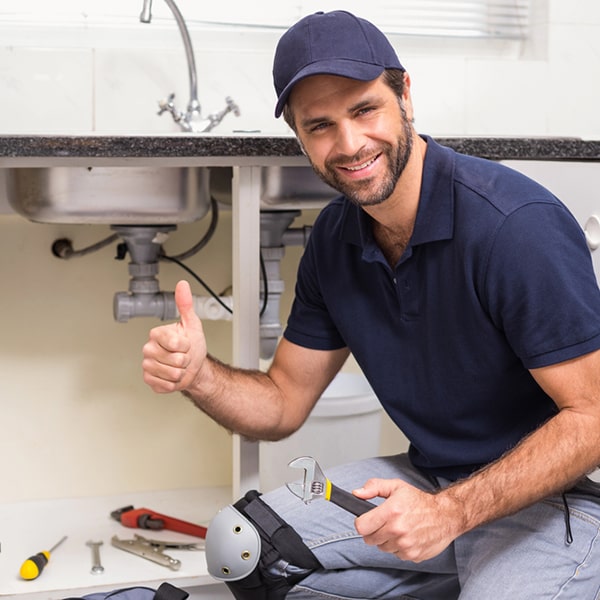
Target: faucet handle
[215,118]
[167,104]
[232,106]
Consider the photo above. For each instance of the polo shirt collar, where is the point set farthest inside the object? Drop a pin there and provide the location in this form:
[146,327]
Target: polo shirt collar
[435,215]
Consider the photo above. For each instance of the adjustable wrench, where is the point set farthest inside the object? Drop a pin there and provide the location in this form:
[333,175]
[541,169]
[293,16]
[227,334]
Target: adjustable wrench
[316,486]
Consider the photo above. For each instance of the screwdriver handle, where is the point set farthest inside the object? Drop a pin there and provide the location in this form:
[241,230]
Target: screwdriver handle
[34,565]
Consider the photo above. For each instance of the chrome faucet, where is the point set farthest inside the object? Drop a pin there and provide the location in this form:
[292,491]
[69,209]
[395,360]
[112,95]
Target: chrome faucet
[191,120]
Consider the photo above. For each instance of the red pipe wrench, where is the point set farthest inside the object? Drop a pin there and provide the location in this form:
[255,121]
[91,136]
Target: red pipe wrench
[144,518]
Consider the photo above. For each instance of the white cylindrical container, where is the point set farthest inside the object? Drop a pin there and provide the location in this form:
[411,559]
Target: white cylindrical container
[345,425]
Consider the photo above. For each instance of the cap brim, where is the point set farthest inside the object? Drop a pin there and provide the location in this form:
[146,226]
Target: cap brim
[339,66]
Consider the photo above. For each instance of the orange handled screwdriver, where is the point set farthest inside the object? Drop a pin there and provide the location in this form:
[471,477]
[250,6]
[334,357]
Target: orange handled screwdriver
[34,565]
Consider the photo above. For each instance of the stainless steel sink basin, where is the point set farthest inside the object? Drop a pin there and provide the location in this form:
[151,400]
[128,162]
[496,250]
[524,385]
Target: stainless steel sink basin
[109,195]
[293,187]
[281,188]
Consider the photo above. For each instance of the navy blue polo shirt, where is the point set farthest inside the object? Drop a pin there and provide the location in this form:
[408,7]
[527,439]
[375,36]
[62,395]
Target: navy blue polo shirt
[496,279]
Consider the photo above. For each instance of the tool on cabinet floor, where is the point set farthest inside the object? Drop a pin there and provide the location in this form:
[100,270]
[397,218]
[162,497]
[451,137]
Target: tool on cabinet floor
[154,549]
[144,518]
[32,568]
[97,567]
[316,486]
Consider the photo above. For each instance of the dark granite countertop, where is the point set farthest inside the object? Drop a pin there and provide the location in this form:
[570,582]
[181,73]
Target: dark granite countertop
[256,146]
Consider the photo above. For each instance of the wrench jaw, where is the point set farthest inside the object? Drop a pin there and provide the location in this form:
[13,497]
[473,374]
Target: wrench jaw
[298,490]
[314,483]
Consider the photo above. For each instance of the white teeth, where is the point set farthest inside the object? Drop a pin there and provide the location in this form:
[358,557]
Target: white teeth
[359,167]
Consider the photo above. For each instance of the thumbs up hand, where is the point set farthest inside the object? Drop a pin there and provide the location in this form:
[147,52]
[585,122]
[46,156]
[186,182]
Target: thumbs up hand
[175,353]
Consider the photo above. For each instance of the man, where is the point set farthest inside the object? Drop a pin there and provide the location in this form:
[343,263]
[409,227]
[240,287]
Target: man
[465,291]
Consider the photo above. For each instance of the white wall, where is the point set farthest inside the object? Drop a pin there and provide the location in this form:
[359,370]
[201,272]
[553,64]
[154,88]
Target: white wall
[97,76]
[76,417]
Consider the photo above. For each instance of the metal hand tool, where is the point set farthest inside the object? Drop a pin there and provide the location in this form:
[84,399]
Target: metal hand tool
[154,549]
[144,518]
[175,545]
[34,565]
[316,486]
[97,567]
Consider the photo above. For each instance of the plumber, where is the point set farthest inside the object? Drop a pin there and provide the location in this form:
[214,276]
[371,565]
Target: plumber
[466,293]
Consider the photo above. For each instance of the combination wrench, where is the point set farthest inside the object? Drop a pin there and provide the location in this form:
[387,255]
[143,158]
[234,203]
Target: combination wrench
[97,567]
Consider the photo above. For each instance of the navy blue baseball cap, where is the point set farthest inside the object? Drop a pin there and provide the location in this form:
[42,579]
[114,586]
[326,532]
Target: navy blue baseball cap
[333,43]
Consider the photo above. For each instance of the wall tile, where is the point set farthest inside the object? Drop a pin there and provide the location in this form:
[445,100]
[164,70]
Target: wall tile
[574,89]
[46,90]
[506,98]
[438,93]
[576,12]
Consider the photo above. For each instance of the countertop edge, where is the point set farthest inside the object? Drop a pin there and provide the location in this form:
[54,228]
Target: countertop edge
[257,146]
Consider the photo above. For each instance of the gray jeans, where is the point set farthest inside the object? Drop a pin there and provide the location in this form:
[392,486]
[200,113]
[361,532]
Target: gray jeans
[521,557]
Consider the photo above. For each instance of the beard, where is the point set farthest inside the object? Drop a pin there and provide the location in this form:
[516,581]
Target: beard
[369,192]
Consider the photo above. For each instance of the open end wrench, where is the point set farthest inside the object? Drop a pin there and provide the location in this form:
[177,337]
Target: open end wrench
[316,486]
[97,567]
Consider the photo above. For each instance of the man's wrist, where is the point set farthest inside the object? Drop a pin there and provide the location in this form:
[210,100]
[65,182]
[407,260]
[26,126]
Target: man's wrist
[202,384]
[453,505]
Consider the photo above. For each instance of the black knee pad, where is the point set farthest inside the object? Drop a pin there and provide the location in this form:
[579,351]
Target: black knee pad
[255,552]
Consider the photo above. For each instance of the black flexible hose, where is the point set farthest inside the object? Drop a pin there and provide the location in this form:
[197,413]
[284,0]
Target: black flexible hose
[63,248]
[214,221]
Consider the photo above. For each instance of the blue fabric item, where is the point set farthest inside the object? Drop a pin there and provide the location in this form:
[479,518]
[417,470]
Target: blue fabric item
[497,279]
[132,593]
[333,43]
[165,591]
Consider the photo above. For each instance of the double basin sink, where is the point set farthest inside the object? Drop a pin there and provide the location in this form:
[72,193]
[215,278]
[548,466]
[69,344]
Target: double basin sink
[128,195]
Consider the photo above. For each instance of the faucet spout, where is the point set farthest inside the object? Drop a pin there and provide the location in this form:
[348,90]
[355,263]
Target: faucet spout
[193,104]
[193,111]
[146,14]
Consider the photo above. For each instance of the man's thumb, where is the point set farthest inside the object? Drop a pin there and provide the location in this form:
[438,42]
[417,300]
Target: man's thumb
[185,305]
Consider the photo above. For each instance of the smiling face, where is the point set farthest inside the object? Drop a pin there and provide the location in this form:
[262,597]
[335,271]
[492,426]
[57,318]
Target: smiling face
[356,134]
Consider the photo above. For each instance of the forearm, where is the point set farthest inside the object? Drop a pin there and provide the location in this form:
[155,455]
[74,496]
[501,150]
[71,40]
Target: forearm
[548,461]
[245,401]
[258,405]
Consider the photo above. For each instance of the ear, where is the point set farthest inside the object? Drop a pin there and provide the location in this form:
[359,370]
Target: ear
[407,99]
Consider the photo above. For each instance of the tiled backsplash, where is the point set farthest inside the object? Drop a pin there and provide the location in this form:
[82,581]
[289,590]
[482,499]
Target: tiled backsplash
[110,79]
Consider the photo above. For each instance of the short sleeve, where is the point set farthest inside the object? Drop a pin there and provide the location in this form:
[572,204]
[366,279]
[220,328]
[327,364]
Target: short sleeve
[540,285]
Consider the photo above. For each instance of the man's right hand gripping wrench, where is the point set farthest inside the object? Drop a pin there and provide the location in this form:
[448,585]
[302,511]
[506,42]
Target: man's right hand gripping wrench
[316,486]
